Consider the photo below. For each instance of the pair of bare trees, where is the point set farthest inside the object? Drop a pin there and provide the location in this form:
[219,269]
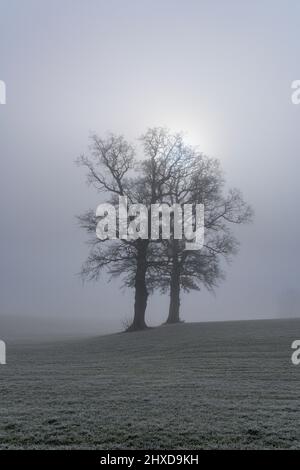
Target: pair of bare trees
[168,172]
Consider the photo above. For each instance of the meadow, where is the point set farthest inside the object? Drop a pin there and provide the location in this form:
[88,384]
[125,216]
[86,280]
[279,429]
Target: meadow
[215,385]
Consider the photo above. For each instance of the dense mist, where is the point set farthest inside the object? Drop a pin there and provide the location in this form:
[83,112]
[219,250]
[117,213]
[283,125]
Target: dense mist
[72,68]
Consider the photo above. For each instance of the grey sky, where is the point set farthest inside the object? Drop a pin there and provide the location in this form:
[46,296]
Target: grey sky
[221,71]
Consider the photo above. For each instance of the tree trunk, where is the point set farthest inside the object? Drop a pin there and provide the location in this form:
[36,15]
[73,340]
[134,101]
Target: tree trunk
[141,293]
[174,289]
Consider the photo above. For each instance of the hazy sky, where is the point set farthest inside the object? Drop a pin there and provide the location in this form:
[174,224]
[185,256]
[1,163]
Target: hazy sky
[219,70]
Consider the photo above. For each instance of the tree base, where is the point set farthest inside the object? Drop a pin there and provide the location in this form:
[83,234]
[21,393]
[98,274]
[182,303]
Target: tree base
[173,322]
[134,327]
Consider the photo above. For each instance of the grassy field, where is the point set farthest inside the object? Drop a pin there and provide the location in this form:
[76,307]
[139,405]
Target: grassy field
[202,385]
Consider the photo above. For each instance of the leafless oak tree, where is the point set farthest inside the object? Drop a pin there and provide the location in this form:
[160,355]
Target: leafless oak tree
[199,180]
[168,171]
[110,169]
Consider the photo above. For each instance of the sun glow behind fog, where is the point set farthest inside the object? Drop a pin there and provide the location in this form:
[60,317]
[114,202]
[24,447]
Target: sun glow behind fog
[197,132]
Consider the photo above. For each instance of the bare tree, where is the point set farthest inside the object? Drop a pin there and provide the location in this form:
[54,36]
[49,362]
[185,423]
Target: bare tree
[110,166]
[199,180]
[168,172]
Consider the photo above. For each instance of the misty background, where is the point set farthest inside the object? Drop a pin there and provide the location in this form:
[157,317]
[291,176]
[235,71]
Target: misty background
[220,71]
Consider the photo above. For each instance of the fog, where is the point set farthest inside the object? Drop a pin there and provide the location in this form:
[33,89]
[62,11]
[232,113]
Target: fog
[219,71]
